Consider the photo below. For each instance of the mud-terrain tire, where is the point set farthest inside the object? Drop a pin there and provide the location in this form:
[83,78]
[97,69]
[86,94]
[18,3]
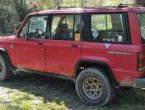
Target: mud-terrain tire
[5,72]
[93,87]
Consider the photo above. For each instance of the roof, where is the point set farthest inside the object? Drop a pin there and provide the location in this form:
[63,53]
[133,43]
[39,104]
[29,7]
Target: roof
[89,10]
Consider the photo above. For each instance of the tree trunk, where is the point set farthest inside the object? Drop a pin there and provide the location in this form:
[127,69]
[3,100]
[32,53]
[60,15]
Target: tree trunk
[22,2]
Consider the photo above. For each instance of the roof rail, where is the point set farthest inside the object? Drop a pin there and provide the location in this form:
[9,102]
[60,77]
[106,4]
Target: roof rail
[118,6]
[60,7]
[127,5]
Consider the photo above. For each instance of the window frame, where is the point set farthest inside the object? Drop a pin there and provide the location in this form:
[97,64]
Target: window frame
[22,26]
[126,26]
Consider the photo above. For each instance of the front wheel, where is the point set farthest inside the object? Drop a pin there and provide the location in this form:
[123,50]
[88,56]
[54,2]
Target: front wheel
[93,87]
[5,73]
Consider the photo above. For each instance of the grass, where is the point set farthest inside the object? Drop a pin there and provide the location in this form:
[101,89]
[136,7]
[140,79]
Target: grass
[33,92]
[20,100]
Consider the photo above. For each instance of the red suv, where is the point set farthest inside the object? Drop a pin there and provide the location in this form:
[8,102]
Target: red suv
[98,48]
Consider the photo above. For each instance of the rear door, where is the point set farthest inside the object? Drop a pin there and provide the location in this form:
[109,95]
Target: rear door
[63,49]
[107,39]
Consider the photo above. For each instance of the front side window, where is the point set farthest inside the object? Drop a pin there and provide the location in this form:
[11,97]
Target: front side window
[141,21]
[109,28]
[24,30]
[65,27]
[35,27]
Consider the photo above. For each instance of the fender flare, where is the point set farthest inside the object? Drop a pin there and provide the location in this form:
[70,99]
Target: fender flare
[107,67]
[3,51]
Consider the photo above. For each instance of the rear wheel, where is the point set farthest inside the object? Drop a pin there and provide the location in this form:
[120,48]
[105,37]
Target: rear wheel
[5,73]
[93,87]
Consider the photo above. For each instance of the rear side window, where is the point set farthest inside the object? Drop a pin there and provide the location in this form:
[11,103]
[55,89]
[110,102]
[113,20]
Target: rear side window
[65,27]
[24,30]
[109,28]
[102,22]
[141,21]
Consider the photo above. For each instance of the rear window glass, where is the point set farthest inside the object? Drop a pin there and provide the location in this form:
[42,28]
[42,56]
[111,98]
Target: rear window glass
[141,21]
[109,28]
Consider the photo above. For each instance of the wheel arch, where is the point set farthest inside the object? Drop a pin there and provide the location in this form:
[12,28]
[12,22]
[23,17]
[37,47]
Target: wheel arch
[4,52]
[82,64]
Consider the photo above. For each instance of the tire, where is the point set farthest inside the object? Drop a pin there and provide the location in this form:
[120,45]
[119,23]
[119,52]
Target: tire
[5,73]
[100,94]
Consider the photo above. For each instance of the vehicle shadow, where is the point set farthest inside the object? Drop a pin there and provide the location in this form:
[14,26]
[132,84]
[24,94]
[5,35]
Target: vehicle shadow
[58,90]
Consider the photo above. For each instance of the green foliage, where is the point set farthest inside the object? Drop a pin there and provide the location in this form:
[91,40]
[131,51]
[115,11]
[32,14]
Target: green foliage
[22,10]
[18,100]
[8,16]
[49,4]
[14,11]
[45,4]
[26,105]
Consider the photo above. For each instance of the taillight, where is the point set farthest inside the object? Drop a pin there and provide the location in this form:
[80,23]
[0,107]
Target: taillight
[140,61]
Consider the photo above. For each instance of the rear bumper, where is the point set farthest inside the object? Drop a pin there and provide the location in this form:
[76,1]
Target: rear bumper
[139,83]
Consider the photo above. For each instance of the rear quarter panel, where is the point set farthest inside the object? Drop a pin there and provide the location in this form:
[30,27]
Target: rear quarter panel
[121,58]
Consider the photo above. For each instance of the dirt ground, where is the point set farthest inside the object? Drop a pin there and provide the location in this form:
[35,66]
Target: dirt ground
[58,90]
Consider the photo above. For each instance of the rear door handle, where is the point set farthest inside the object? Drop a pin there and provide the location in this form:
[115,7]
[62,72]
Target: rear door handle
[74,45]
[40,43]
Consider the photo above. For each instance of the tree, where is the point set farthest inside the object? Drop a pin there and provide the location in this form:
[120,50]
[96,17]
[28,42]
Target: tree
[21,9]
[8,16]
[45,4]
[49,4]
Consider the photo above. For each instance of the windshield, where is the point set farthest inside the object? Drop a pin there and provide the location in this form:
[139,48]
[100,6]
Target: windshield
[141,21]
